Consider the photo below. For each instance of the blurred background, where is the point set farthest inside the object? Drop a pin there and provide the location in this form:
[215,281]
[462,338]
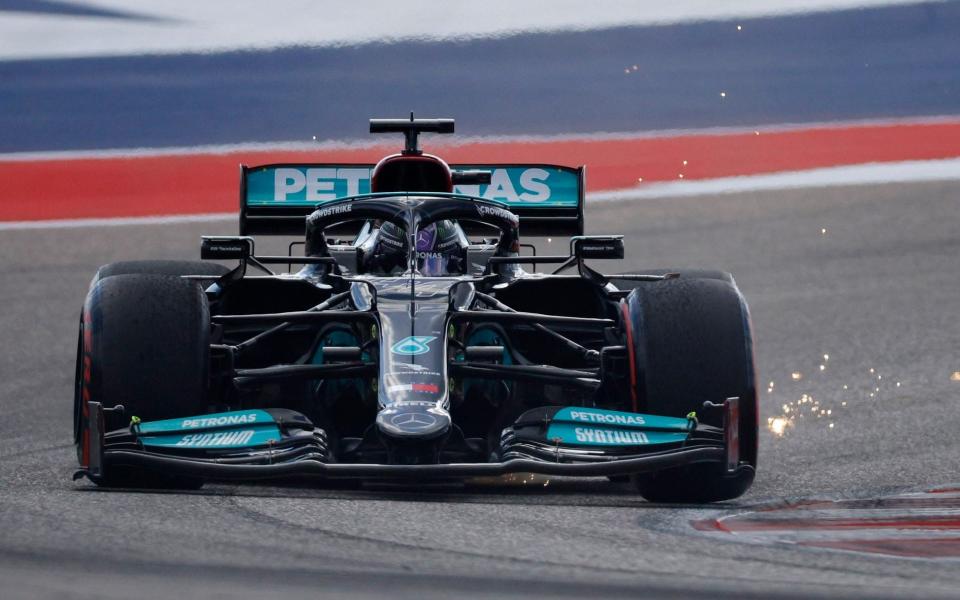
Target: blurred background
[640,92]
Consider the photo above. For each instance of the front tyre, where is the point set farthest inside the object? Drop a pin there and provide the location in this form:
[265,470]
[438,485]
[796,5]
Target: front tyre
[144,343]
[693,342]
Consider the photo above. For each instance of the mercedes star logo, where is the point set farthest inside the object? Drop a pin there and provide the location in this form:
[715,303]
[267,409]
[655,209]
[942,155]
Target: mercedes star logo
[413,420]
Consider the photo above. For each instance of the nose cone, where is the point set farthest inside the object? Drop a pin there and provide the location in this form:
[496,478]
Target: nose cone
[413,421]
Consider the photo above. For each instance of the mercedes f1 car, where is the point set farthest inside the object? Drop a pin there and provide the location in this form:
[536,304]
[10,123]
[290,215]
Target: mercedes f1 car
[419,340]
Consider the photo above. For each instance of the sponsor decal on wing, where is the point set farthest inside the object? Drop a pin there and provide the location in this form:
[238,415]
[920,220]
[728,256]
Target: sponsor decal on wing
[574,414]
[590,435]
[219,439]
[606,417]
[303,185]
[220,430]
[567,433]
[226,438]
[597,427]
[219,421]
[212,421]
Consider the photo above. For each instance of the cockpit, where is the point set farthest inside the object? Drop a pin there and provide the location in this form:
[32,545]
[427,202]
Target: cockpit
[441,249]
[384,246]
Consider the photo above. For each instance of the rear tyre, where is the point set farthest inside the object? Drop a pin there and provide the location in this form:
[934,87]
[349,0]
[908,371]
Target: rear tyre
[159,267]
[629,284]
[693,343]
[144,344]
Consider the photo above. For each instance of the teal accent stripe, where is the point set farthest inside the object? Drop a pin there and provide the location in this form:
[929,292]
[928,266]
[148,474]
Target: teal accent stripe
[611,418]
[237,437]
[591,435]
[230,420]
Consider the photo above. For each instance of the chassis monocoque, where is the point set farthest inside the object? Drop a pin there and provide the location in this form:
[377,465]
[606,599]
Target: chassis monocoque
[193,371]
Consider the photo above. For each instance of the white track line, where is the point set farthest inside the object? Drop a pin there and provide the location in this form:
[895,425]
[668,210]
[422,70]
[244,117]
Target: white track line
[874,173]
[116,221]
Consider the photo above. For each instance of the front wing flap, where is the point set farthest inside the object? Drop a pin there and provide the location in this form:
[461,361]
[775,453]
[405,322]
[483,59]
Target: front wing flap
[277,444]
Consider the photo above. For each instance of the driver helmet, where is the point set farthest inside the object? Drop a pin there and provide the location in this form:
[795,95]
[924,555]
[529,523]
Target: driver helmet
[439,246]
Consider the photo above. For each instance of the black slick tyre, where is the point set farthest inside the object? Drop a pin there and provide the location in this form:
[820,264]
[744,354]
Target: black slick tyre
[159,267]
[629,284]
[692,342]
[144,344]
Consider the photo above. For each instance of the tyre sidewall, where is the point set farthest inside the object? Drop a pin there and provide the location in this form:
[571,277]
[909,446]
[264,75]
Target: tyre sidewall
[145,345]
[693,343]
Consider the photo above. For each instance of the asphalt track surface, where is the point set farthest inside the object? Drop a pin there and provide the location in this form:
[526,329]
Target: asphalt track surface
[877,290]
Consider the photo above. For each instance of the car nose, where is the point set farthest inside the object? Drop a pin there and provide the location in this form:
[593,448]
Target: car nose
[413,421]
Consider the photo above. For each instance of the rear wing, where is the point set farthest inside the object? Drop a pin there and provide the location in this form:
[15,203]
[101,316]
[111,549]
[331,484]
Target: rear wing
[276,198]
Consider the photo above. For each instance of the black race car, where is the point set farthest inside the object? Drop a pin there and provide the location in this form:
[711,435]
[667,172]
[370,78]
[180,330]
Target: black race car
[420,340]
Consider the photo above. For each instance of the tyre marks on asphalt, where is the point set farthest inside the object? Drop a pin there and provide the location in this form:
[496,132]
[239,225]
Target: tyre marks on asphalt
[923,525]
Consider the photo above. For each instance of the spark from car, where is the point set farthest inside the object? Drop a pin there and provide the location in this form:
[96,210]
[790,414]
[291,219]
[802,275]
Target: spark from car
[792,413]
[778,425]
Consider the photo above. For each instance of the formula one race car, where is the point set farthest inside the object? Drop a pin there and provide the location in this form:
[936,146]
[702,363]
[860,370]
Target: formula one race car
[413,345]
